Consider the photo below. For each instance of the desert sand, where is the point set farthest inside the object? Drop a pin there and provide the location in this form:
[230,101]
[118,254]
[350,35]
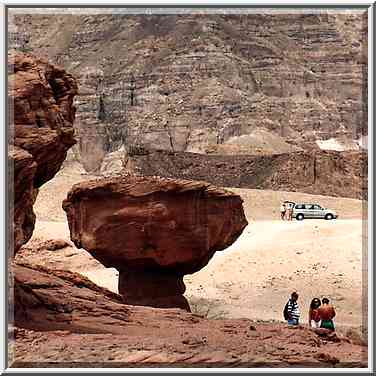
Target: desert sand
[254,277]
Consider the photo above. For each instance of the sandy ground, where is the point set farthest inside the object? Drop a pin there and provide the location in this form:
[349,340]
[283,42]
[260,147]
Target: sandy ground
[254,277]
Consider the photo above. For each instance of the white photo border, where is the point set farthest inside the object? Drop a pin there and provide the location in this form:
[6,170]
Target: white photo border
[170,5]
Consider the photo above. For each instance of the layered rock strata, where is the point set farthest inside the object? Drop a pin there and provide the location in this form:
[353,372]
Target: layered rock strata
[153,230]
[40,133]
[329,173]
[202,80]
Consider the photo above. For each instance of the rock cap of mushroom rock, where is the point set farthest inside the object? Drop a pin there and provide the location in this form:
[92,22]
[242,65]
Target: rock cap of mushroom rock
[153,223]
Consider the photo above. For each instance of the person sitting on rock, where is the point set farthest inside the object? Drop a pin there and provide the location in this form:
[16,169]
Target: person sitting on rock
[293,312]
[314,319]
[327,313]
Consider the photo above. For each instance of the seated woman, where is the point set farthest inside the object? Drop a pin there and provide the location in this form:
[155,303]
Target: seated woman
[327,314]
[314,319]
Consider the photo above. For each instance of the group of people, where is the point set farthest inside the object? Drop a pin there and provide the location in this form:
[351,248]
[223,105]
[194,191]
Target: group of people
[320,315]
[286,211]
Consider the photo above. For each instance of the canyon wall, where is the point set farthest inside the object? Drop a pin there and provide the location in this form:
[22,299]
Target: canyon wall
[191,82]
[330,173]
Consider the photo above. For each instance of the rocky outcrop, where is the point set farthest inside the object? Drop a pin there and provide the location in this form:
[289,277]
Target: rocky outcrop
[46,299]
[41,97]
[329,173]
[62,319]
[41,131]
[153,230]
[21,191]
[49,299]
[203,79]
[195,344]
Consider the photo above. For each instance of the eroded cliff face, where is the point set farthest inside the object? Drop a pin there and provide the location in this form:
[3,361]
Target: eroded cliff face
[191,82]
[330,173]
[40,133]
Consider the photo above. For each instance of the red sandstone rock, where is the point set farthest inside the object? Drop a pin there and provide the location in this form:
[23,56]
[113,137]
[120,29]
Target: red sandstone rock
[50,300]
[151,223]
[41,132]
[153,288]
[22,168]
[63,318]
[163,227]
[46,299]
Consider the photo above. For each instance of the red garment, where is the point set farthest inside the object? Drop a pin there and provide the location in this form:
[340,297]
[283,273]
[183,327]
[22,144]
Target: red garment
[315,315]
[326,312]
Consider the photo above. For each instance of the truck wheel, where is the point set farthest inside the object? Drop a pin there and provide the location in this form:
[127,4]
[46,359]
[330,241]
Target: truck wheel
[300,217]
[329,216]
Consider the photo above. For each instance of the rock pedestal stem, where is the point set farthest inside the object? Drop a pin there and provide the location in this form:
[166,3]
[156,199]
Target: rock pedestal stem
[153,288]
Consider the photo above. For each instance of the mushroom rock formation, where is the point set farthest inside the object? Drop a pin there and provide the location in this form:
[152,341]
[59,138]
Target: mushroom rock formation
[40,133]
[153,230]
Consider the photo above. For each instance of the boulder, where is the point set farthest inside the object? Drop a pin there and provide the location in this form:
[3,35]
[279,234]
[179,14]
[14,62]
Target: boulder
[153,230]
[40,133]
